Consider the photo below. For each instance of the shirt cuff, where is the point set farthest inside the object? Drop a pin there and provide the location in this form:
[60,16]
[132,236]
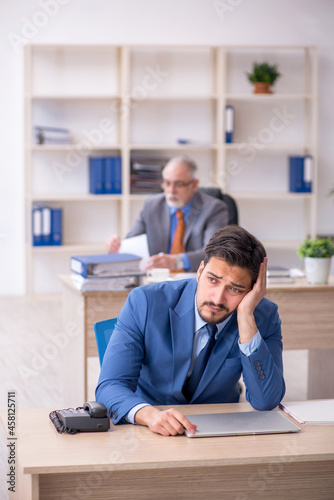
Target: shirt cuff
[186,262]
[252,346]
[130,416]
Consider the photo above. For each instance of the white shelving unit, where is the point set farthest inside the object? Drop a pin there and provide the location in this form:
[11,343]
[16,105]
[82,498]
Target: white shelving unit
[121,100]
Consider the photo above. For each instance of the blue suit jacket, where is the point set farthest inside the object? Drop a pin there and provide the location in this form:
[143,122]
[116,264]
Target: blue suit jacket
[150,351]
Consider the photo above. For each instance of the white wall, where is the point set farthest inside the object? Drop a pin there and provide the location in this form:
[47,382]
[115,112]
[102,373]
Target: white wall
[239,22]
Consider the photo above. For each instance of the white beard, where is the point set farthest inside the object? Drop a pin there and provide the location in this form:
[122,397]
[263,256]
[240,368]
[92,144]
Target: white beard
[175,203]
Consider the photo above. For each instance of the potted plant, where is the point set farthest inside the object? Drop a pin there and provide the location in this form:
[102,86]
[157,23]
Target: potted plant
[263,76]
[317,255]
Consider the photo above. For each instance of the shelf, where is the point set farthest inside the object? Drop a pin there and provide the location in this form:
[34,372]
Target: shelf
[73,147]
[78,97]
[185,97]
[74,248]
[270,196]
[260,146]
[75,197]
[267,97]
[173,147]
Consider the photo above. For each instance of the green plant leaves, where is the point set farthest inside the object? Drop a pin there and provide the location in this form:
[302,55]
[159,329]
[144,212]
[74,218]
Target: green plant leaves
[317,248]
[263,72]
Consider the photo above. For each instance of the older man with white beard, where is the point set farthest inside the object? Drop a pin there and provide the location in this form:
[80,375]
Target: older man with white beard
[178,222]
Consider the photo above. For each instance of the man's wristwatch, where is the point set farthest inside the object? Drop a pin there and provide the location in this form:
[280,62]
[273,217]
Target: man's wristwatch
[179,262]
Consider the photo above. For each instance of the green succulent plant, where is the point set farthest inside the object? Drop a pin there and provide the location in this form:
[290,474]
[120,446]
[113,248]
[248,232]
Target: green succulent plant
[317,248]
[263,72]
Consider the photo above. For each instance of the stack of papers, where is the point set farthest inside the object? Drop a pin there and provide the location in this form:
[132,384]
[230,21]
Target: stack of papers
[312,412]
[116,284]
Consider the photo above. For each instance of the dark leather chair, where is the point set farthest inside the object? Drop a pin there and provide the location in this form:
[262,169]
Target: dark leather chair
[230,202]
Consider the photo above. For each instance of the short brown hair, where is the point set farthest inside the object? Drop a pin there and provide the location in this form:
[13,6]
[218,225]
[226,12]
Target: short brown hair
[237,247]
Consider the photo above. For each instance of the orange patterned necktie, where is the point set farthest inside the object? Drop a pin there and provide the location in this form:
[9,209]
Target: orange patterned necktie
[177,245]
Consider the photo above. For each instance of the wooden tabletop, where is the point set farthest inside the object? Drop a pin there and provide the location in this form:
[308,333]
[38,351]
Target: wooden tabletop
[300,284]
[130,447]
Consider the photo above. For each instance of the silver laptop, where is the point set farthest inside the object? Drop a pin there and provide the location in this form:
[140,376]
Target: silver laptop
[236,424]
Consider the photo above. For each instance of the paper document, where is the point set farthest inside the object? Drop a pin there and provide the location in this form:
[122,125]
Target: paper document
[137,245]
[312,412]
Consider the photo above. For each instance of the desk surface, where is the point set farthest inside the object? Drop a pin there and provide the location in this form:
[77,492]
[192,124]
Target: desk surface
[130,461]
[300,284]
[42,450]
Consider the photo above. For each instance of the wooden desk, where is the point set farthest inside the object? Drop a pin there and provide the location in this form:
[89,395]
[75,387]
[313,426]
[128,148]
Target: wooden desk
[130,462]
[307,313]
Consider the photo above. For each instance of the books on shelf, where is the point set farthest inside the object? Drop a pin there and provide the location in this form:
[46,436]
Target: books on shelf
[46,226]
[109,265]
[52,135]
[146,175]
[311,412]
[229,124]
[105,175]
[300,174]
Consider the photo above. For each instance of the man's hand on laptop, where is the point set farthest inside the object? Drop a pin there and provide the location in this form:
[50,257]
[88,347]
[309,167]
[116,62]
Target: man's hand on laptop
[169,422]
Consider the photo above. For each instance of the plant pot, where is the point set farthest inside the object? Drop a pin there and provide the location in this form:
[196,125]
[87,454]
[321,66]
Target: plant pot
[261,88]
[317,270]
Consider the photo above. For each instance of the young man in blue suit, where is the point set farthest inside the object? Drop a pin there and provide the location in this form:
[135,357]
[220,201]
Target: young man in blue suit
[161,338]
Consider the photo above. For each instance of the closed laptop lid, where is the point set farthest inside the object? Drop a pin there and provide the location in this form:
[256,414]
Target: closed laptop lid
[240,423]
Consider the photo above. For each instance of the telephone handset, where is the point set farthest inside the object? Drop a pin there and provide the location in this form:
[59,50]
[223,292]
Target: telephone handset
[91,417]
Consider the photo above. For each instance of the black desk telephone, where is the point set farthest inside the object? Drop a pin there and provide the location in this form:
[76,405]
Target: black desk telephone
[91,417]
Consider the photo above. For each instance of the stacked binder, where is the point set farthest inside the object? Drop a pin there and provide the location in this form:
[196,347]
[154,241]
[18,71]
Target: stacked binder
[106,272]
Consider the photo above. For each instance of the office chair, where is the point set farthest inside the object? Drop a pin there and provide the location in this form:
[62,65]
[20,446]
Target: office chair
[230,202]
[103,330]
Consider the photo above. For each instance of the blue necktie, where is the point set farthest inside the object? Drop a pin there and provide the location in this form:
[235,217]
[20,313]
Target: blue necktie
[192,382]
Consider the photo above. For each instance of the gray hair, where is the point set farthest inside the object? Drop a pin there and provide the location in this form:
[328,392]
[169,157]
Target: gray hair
[183,160]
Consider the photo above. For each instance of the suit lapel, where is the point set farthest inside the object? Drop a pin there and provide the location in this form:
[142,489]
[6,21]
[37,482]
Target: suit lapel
[182,319]
[164,230]
[194,213]
[227,338]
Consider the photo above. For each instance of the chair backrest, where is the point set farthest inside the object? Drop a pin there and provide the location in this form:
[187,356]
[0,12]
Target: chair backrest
[103,330]
[233,216]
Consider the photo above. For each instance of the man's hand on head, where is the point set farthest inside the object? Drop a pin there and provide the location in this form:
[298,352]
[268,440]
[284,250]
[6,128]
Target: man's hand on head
[169,422]
[246,321]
